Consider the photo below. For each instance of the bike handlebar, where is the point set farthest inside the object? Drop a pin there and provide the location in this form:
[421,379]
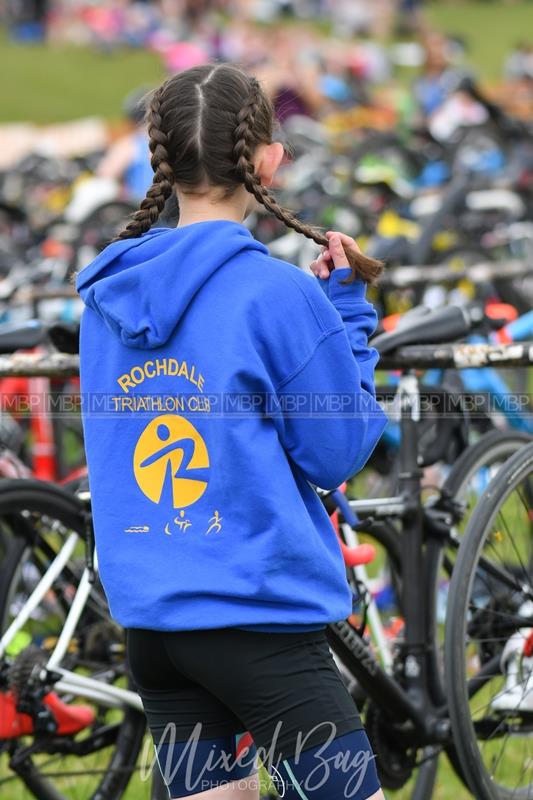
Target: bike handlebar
[442,356]
[458,356]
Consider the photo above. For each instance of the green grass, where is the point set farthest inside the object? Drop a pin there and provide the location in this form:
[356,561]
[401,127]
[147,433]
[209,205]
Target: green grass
[490,29]
[52,84]
[448,788]
[48,84]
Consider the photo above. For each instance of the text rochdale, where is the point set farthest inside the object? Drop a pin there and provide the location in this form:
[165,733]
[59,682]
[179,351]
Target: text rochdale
[154,368]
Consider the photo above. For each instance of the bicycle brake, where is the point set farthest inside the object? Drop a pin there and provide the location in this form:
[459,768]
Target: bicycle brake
[439,521]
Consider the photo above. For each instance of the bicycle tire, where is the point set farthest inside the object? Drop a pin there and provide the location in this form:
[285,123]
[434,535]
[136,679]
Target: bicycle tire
[16,497]
[499,489]
[496,443]
[489,448]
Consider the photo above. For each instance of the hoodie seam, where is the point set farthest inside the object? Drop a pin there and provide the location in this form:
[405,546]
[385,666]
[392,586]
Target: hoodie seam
[309,356]
[116,321]
[348,304]
[309,303]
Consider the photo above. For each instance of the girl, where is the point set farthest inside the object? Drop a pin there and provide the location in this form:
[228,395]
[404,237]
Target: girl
[220,384]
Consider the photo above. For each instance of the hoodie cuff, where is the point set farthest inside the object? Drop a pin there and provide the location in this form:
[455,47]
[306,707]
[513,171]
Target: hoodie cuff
[337,291]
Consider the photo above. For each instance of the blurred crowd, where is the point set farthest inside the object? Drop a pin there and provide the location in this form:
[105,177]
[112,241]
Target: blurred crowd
[328,60]
[383,115]
[186,32]
[332,55]
[108,23]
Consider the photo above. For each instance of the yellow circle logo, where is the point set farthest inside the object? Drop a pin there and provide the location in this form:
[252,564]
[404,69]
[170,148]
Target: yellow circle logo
[171,453]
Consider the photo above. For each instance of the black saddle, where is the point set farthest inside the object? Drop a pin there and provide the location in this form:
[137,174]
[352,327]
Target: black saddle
[21,336]
[65,337]
[423,325]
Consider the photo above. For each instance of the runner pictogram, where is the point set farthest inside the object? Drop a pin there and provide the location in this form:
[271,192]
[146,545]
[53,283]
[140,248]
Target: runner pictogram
[171,452]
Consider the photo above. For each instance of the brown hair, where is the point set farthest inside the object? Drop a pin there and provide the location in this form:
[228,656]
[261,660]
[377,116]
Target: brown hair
[204,125]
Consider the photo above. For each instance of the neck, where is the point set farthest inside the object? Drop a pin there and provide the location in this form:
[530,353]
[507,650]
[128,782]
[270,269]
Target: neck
[204,208]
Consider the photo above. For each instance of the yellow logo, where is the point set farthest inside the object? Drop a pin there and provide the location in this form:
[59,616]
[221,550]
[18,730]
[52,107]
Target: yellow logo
[171,451]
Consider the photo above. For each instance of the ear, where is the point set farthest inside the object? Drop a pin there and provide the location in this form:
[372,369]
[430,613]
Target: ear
[267,159]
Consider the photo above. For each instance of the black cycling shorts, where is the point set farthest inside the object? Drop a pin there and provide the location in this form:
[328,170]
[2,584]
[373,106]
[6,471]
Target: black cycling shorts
[283,688]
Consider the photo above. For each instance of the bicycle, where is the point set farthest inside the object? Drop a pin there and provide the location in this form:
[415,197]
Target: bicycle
[406,708]
[24,405]
[45,562]
[44,566]
[489,633]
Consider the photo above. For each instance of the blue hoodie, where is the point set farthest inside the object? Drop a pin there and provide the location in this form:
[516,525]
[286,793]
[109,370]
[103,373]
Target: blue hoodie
[217,385]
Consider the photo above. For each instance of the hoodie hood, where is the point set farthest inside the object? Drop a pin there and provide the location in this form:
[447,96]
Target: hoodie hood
[142,287]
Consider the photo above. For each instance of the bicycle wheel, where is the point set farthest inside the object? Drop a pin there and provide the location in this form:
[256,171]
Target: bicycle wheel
[464,484]
[98,761]
[476,465]
[489,638]
[462,487]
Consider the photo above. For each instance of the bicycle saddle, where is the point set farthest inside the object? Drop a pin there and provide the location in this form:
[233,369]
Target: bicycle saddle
[21,336]
[66,337]
[425,326]
[392,249]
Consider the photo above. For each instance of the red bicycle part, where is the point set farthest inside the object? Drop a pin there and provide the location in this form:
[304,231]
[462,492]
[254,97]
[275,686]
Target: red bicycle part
[528,646]
[70,719]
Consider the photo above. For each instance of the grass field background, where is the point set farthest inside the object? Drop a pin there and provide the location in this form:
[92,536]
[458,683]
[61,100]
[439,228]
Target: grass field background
[448,787]
[49,84]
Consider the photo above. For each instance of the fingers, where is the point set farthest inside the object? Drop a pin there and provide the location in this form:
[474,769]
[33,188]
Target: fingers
[336,249]
[346,241]
[322,265]
[334,255]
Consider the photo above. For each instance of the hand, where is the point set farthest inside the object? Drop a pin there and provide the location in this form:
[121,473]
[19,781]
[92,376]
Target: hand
[334,255]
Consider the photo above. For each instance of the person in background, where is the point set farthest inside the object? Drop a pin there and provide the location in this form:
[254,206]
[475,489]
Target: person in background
[128,159]
[27,20]
[432,87]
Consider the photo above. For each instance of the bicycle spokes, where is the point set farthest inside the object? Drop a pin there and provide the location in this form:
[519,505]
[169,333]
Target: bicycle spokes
[499,644]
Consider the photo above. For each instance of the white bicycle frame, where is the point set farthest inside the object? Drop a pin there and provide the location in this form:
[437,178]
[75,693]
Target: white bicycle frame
[113,696]
[375,624]
[69,682]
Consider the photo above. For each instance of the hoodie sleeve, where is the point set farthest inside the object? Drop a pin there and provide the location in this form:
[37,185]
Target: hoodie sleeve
[331,421]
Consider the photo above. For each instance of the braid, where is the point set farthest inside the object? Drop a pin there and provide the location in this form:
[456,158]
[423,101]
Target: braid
[362,266]
[163,181]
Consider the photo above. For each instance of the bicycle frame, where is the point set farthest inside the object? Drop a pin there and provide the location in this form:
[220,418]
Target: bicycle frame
[410,701]
[105,694]
[374,620]
[80,685]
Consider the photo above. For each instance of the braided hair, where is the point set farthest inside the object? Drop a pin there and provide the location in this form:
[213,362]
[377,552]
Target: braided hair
[204,125]
[163,180]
